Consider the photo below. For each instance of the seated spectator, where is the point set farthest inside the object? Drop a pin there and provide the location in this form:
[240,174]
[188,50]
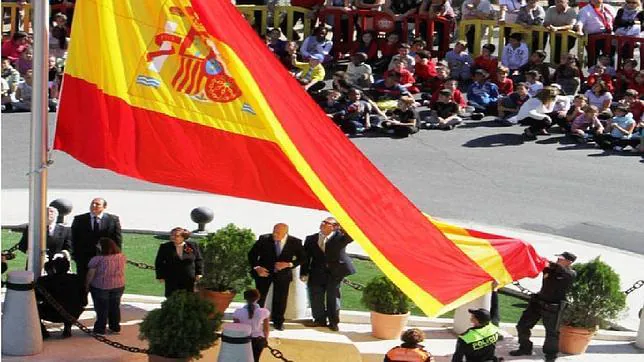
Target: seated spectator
[354,118]
[626,75]
[11,76]
[386,92]
[54,79]
[534,112]
[456,95]
[559,109]
[411,349]
[634,104]
[576,109]
[289,58]
[532,14]
[620,131]
[586,124]
[487,61]
[505,83]
[568,74]
[14,47]
[599,96]
[6,98]
[600,75]
[437,83]
[359,73]
[66,288]
[482,95]
[24,93]
[417,45]
[25,62]
[275,43]
[605,61]
[459,62]
[368,46]
[317,44]
[402,121]
[533,83]
[403,54]
[311,74]
[509,106]
[444,112]
[340,83]
[515,53]
[407,79]
[387,49]
[59,36]
[331,103]
[536,62]
[425,69]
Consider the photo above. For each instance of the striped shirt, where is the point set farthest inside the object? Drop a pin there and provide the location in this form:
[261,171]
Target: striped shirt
[110,271]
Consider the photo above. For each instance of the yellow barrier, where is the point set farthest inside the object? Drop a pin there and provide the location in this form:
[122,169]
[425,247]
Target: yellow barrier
[14,10]
[280,11]
[479,26]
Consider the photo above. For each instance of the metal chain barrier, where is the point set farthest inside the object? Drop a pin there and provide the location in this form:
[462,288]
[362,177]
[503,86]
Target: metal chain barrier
[70,319]
[141,265]
[638,284]
[352,284]
[10,253]
[523,289]
[277,354]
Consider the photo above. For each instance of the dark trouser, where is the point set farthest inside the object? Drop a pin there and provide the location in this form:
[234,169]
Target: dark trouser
[537,125]
[494,309]
[469,36]
[280,296]
[599,49]
[296,17]
[559,120]
[490,109]
[557,54]
[329,292]
[606,141]
[258,344]
[549,314]
[173,284]
[107,305]
[81,271]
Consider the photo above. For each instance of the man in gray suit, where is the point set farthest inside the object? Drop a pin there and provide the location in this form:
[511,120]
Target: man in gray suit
[325,266]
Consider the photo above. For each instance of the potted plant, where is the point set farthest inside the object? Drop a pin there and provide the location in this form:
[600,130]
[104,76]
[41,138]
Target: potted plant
[226,270]
[594,300]
[185,325]
[389,307]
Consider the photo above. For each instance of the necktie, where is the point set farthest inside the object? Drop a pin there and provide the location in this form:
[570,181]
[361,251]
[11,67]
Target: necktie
[278,247]
[97,226]
[323,243]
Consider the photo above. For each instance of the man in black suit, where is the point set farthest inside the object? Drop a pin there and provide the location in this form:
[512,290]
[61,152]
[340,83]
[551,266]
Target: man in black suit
[271,258]
[59,236]
[88,228]
[325,266]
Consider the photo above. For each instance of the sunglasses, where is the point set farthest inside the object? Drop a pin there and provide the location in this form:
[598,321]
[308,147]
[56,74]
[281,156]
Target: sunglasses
[329,223]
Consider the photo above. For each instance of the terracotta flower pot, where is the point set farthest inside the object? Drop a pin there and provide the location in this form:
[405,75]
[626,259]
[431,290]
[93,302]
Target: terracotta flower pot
[155,358]
[221,300]
[574,340]
[388,326]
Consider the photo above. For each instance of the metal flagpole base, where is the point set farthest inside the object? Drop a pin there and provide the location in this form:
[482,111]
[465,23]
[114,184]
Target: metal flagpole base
[21,335]
[462,316]
[236,345]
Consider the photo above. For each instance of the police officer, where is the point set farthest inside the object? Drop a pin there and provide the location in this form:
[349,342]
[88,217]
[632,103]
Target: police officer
[478,343]
[547,305]
[411,350]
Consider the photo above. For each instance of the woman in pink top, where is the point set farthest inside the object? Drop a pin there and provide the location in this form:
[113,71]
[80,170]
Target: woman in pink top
[106,282]
[257,318]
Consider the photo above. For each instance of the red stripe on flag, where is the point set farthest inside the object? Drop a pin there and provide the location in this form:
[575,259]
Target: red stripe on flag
[135,142]
[180,73]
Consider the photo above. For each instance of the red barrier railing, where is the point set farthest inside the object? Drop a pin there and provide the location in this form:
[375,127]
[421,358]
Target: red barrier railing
[383,22]
[621,43]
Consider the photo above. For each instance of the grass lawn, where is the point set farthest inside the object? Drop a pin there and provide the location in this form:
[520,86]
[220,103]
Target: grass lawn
[143,248]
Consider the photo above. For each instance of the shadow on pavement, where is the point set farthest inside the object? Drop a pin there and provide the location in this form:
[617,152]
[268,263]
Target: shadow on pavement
[495,140]
[614,349]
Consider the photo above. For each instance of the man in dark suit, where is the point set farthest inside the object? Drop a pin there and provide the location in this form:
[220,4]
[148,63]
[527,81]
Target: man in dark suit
[88,228]
[325,266]
[271,258]
[59,236]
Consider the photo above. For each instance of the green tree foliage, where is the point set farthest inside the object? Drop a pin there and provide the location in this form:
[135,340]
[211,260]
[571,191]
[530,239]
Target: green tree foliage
[383,296]
[595,297]
[185,325]
[225,255]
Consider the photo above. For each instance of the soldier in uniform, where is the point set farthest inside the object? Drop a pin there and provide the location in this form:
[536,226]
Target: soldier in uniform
[478,343]
[547,305]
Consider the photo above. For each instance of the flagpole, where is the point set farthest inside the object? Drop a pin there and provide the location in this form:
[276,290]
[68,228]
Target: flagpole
[39,138]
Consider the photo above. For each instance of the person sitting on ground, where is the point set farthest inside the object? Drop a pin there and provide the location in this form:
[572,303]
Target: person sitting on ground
[257,318]
[317,44]
[65,288]
[417,45]
[438,82]
[479,342]
[367,46]
[424,69]
[403,120]
[634,104]
[355,118]
[26,60]
[312,73]
[331,103]
[600,74]
[403,54]
[586,125]
[388,89]
[620,131]
[568,74]
[483,95]
[410,350]
[559,109]
[487,61]
[359,73]
[536,62]
[11,76]
[505,83]
[388,49]
[509,106]
[604,60]
[576,110]
[459,61]
[456,97]
[626,75]
[600,97]
[340,83]
[444,112]
[533,82]
[23,93]
[275,43]
[407,79]
[289,58]
[534,112]
[515,53]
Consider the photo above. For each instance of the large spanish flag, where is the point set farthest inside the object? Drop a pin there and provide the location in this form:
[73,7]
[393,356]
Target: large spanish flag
[184,93]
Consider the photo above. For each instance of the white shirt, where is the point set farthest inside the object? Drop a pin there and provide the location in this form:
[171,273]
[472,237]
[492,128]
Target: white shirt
[282,243]
[356,74]
[484,7]
[259,315]
[179,249]
[590,21]
[534,88]
[533,108]
[513,7]
[515,58]
[598,101]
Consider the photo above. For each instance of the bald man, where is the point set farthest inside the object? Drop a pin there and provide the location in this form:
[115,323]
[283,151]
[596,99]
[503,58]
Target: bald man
[271,258]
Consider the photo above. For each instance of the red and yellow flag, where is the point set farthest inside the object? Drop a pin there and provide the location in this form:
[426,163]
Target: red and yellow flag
[184,93]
